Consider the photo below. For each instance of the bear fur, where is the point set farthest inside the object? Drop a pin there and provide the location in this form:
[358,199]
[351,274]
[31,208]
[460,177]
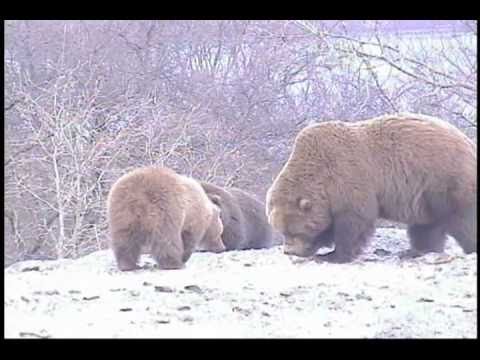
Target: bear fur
[158,209]
[340,177]
[245,224]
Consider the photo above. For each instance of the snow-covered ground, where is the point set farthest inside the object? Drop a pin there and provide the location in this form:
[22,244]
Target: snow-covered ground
[255,293]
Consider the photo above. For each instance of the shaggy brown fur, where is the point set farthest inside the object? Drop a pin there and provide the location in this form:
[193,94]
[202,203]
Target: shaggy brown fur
[167,213]
[407,168]
[245,224]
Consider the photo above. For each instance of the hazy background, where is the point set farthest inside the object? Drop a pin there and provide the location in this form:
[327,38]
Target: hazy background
[86,101]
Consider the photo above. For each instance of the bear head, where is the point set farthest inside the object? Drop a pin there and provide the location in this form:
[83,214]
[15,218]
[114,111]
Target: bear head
[297,203]
[212,240]
[302,219]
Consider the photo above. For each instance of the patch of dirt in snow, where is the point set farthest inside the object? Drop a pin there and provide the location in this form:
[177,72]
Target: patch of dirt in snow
[248,294]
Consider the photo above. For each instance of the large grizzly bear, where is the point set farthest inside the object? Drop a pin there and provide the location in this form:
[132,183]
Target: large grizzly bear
[245,224]
[158,209]
[407,168]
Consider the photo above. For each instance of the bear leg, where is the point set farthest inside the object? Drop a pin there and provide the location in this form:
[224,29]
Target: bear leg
[127,248]
[168,254]
[351,233]
[464,229]
[126,261]
[426,238]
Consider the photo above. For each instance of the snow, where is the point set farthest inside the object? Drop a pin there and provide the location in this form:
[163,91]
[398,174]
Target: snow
[248,294]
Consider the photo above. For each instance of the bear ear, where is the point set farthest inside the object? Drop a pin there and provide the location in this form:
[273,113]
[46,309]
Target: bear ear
[305,204]
[215,199]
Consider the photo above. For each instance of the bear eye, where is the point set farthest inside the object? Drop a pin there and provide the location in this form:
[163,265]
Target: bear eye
[215,199]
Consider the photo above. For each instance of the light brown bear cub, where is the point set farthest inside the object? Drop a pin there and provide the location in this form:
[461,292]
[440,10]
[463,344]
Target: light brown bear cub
[245,223]
[158,209]
[341,177]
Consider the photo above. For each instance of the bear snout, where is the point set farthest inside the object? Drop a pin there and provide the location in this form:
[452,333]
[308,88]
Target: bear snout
[294,247]
[291,251]
[218,247]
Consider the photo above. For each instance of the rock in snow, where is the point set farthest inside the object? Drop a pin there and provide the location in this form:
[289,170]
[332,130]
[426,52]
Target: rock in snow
[248,294]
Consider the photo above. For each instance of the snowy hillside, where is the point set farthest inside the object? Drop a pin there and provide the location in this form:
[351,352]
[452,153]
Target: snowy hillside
[258,293]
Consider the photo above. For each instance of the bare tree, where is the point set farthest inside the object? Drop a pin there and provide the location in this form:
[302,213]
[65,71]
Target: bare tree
[86,101]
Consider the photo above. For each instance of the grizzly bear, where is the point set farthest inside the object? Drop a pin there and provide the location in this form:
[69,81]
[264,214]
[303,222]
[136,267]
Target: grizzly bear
[408,168]
[245,224]
[158,209]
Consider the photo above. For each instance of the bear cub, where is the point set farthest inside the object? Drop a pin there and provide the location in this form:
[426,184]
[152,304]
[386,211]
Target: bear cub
[168,213]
